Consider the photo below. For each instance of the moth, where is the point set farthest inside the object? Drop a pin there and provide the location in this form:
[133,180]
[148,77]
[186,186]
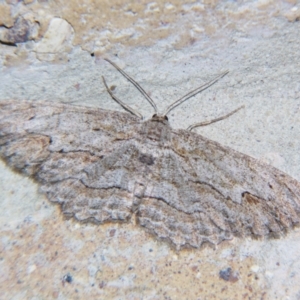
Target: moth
[108,166]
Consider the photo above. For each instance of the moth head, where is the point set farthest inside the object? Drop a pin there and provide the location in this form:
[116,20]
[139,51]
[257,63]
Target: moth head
[160,118]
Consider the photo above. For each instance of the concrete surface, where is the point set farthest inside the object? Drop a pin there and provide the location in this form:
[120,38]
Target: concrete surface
[54,52]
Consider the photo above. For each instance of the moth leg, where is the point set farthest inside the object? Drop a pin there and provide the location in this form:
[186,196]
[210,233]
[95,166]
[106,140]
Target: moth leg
[125,106]
[215,120]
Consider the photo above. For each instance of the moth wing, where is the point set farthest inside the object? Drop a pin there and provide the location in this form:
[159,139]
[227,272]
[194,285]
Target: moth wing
[212,193]
[57,143]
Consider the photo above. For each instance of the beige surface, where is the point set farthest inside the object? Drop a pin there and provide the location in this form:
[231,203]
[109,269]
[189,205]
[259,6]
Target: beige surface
[169,48]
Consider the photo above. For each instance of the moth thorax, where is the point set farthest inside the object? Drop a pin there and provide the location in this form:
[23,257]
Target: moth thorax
[156,131]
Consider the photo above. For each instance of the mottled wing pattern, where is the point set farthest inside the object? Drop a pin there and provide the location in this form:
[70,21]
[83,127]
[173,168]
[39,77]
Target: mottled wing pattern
[210,193]
[57,143]
[105,166]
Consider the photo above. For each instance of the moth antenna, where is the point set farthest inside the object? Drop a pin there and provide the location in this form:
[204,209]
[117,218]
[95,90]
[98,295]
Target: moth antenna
[125,106]
[142,91]
[215,120]
[195,92]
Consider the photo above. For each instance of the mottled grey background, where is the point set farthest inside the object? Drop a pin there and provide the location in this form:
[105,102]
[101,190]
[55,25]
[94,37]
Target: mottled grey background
[169,49]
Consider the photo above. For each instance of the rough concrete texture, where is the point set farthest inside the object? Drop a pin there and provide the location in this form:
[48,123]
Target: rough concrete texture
[54,50]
